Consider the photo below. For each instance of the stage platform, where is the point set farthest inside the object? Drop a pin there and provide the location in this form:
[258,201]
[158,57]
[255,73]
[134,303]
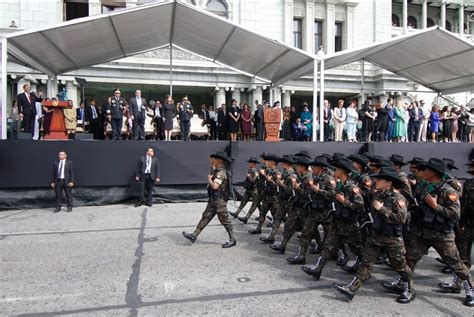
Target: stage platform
[104,169]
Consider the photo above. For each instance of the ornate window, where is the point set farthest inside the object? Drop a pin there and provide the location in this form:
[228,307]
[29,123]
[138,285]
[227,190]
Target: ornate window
[395,20]
[298,33]
[318,35]
[430,22]
[412,22]
[217,7]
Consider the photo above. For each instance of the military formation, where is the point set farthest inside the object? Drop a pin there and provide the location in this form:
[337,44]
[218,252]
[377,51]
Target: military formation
[361,204]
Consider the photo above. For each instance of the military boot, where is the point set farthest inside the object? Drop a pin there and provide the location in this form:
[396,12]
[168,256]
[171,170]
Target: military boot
[244,219]
[316,249]
[235,214]
[299,258]
[232,242]
[280,248]
[407,295]
[469,301]
[267,239]
[395,287]
[349,290]
[353,268]
[342,259]
[453,287]
[189,236]
[258,229]
[315,270]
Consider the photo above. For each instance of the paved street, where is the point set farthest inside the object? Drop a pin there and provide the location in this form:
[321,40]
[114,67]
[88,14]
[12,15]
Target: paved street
[120,261]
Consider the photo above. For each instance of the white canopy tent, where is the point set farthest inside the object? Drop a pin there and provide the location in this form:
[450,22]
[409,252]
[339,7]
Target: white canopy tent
[98,39]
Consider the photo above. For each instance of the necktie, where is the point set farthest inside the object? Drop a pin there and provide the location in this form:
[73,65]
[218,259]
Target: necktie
[147,165]
[94,113]
[60,173]
[28,96]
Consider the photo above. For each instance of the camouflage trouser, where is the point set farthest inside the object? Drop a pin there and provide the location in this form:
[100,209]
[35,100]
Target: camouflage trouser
[337,238]
[214,207]
[256,203]
[245,199]
[448,251]
[395,251]
[295,215]
[284,207]
[310,230]
[268,204]
[464,244]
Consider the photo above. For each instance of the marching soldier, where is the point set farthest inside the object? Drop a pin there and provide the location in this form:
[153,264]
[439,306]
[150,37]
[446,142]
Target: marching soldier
[439,210]
[321,190]
[450,179]
[115,109]
[249,185]
[270,203]
[398,162]
[297,213]
[286,194]
[389,213]
[218,190]
[260,186]
[345,227]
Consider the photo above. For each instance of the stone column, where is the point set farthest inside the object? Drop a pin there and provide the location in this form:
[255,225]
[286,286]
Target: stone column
[443,15]
[348,36]
[308,28]
[95,7]
[257,95]
[405,16]
[424,14]
[236,94]
[220,97]
[286,99]
[328,27]
[288,20]
[461,20]
[278,95]
[72,93]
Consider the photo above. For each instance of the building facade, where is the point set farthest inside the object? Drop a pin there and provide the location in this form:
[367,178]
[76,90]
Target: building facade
[330,25]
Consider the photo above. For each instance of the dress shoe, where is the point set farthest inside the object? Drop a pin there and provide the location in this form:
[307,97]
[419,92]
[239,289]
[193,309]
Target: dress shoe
[149,205]
[267,239]
[58,209]
[255,231]
[138,204]
[189,236]
[229,244]
[69,209]
[243,219]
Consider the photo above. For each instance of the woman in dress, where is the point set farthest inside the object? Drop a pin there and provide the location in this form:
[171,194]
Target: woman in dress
[454,124]
[399,129]
[434,122]
[446,120]
[470,125]
[169,113]
[70,117]
[351,122]
[233,120]
[246,122]
[368,120]
[307,120]
[15,115]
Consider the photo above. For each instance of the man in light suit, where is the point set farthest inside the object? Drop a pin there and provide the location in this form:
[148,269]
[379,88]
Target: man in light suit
[62,180]
[27,108]
[138,115]
[147,171]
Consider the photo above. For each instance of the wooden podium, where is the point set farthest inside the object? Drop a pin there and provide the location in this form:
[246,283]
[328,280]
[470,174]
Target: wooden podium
[272,118]
[57,130]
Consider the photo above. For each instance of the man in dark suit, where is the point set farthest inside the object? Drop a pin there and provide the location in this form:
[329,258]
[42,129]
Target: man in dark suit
[115,108]
[137,111]
[185,113]
[148,172]
[27,108]
[258,117]
[92,115]
[63,180]
[221,128]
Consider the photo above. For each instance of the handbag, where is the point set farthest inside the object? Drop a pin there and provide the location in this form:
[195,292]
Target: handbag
[136,188]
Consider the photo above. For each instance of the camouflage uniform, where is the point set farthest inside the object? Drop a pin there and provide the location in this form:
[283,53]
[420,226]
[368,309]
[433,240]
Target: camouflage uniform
[465,229]
[259,196]
[217,204]
[285,196]
[250,190]
[270,203]
[437,229]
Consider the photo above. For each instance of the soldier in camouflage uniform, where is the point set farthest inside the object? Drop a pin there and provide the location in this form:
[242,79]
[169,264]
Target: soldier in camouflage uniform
[389,212]
[405,189]
[260,186]
[249,185]
[321,190]
[345,227]
[464,230]
[439,210]
[286,194]
[218,189]
[270,203]
[298,212]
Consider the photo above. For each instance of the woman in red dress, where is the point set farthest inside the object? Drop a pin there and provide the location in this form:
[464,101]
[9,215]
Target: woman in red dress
[246,116]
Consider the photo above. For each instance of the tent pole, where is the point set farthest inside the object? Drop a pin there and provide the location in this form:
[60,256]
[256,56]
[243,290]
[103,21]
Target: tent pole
[3,87]
[362,84]
[321,97]
[315,98]
[171,69]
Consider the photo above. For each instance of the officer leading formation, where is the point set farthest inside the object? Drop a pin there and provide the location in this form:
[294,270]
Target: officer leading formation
[365,204]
